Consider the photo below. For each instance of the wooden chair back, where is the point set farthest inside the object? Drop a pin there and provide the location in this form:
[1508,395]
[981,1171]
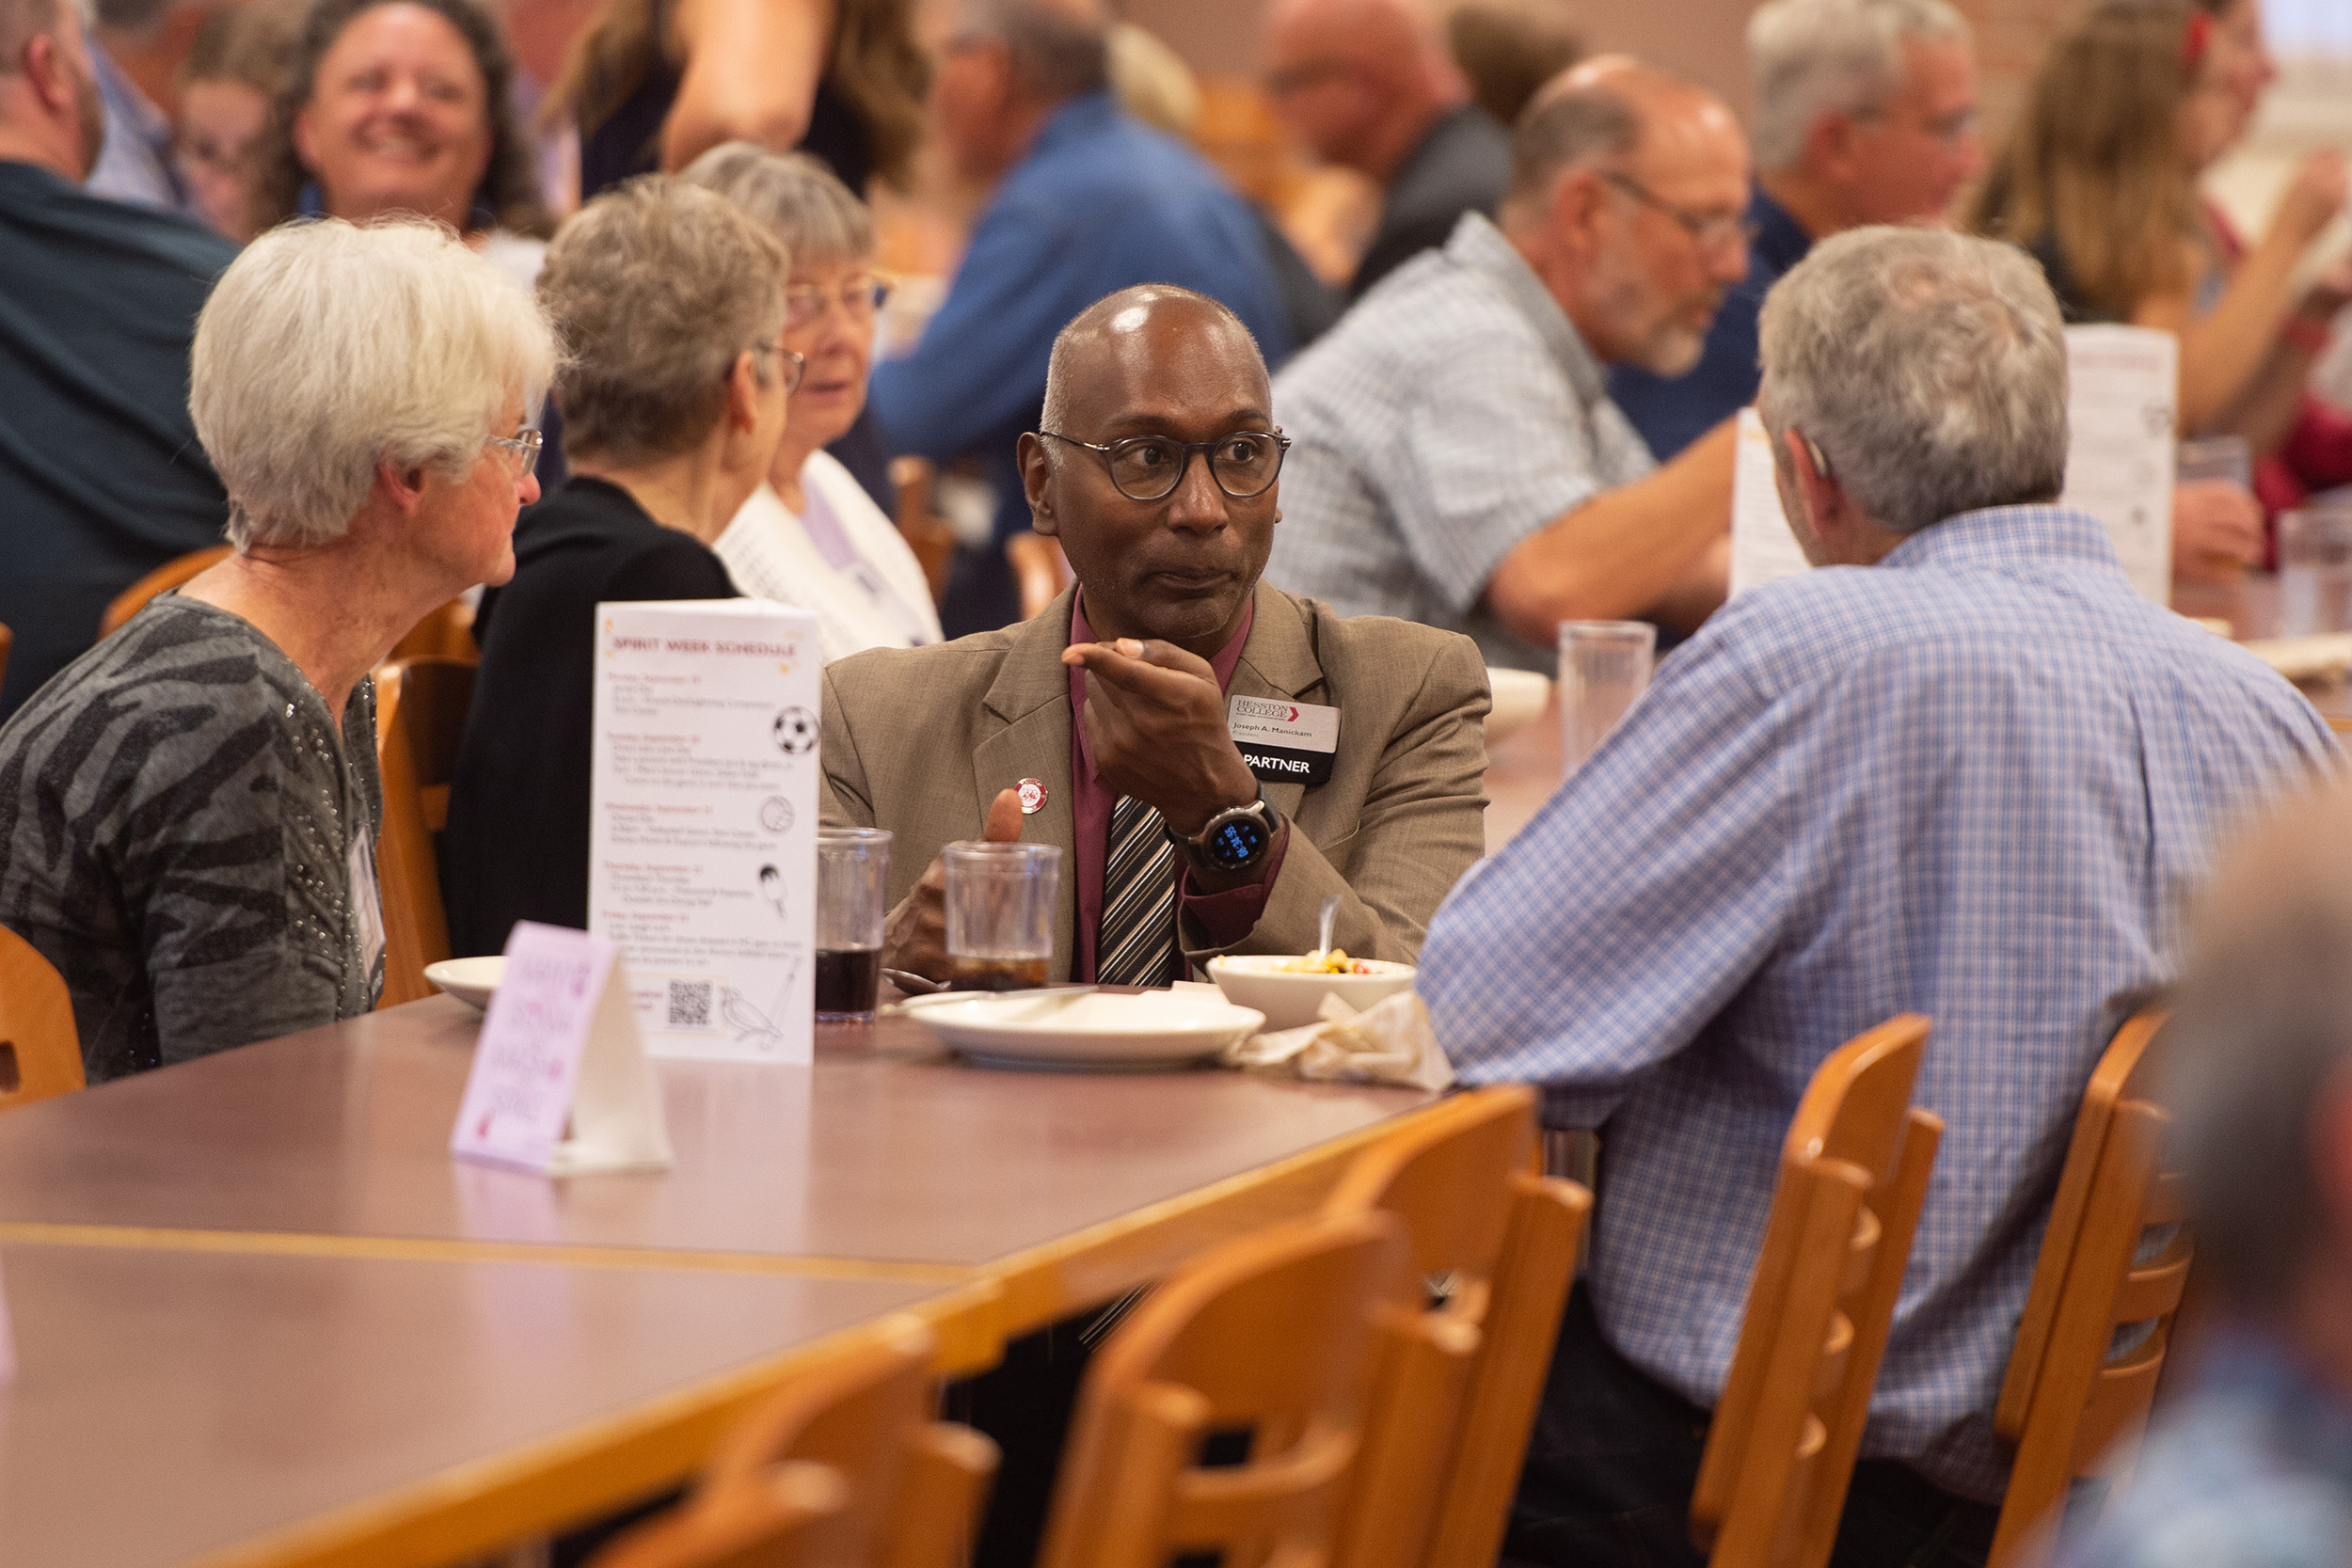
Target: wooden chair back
[419,716]
[1770,1488]
[41,1051]
[7,640]
[909,1487]
[1040,570]
[773,1524]
[2072,1405]
[1459,1385]
[1270,1333]
[919,524]
[444,633]
[171,574]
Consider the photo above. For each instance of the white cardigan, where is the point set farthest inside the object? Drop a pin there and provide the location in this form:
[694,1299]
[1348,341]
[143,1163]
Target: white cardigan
[881,601]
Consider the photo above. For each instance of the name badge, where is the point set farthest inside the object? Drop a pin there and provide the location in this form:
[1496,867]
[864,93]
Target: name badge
[1283,740]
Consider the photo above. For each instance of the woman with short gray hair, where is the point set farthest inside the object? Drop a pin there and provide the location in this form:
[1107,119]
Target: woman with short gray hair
[670,303]
[811,537]
[188,811]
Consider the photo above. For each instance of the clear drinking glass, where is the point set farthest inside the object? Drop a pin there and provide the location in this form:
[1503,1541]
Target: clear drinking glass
[1000,914]
[1604,666]
[852,896]
[2315,570]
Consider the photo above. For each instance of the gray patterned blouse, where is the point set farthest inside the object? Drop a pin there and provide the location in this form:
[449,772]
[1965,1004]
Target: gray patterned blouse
[180,822]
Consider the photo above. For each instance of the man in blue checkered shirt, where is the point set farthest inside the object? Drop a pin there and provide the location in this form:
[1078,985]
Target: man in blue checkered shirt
[1961,771]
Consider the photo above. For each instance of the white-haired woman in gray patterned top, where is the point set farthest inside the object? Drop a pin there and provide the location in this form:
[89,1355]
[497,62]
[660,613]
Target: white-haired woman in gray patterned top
[188,812]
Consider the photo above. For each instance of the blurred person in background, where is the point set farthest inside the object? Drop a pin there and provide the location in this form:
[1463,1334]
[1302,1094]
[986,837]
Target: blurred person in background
[2099,180]
[102,479]
[810,536]
[654,84]
[2249,1464]
[669,302]
[1368,84]
[401,106]
[1866,112]
[233,71]
[135,163]
[1083,200]
[1510,48]
[188,813]
[1456,460]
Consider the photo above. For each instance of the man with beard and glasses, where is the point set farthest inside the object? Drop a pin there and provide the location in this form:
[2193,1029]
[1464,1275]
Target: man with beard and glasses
[1457,458]
[101,476]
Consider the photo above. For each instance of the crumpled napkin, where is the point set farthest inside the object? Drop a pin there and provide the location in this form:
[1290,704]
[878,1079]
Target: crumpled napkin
[1389,1042]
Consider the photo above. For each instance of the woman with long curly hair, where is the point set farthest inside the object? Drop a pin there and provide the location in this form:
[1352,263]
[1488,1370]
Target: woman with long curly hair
[401,106]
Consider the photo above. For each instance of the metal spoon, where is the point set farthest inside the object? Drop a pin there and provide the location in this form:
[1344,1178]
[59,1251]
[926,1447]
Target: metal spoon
[1330,917]
[912,983]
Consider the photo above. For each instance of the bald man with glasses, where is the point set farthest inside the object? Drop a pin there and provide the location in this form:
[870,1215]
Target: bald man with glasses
[1212,756]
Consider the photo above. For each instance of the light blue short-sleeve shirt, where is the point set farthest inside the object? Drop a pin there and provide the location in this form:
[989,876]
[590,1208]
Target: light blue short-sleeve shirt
[1451,414]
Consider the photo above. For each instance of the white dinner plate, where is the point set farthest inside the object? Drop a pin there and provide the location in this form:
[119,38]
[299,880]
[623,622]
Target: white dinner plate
[471,980]
[1102,1032]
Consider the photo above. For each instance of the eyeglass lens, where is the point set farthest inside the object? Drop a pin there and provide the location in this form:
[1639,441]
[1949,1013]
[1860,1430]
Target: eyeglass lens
[1149,467]
[860,297]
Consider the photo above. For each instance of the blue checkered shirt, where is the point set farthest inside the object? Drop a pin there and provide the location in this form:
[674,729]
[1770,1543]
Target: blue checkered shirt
[1971,781]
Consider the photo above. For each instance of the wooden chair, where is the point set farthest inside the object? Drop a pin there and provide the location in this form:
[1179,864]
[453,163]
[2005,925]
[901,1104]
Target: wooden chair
[774,1525]
[1269,1333]
[1455,1406]
[931,540]
[2071,1405]
[1039,569]
[7,640]
[444,633]
[1854,1175]
[171,574]
[420,715]
[909,1487]
[41,1052]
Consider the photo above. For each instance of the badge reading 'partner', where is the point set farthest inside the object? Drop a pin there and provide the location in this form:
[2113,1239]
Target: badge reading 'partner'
[1284,740]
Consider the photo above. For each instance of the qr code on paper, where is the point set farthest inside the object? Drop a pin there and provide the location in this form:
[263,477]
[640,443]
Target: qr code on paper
[690,1003]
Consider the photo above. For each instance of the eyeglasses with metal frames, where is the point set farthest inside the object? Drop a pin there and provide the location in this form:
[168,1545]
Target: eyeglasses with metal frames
[859,297]
[521,449]
[795,365]
[1710,229]
[1150,467]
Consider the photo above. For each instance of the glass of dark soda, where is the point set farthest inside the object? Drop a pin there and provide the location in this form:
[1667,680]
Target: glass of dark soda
[852,896]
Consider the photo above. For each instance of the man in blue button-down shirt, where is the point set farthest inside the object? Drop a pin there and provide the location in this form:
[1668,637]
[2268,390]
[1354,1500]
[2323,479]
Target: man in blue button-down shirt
[1087,201]
[1962,771]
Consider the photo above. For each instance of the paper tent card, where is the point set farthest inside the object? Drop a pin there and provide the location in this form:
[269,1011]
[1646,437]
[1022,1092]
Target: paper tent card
[560,1081]
[702,853]
[2120,413]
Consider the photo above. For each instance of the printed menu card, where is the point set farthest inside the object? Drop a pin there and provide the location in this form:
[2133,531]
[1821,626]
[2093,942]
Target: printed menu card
[701,848]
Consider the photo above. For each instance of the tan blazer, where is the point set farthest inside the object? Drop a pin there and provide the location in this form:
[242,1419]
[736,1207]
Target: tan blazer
[919,740]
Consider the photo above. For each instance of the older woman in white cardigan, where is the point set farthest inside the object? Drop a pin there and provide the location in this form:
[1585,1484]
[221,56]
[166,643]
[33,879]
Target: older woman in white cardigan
[811,537]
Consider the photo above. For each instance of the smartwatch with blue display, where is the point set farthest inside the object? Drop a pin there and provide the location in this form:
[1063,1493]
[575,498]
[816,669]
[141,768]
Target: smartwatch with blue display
[1236,840]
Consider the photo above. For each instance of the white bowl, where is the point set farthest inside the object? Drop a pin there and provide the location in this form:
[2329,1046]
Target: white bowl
[1289,1000]
[1518,696]
[474,980]
[1149,1031]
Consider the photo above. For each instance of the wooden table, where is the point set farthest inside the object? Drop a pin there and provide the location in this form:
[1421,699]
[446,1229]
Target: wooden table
[282,1243]
[887,1159]
[2251,605]
[223,1408]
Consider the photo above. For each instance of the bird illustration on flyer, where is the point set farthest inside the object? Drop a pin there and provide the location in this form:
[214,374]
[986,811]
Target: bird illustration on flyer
[703,821]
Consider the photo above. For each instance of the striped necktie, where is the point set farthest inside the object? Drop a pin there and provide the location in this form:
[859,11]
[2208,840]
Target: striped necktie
[1138,942]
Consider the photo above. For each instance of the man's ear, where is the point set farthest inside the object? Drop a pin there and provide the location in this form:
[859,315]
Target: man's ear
[1578,207]
[1825,499]
[1829,144]
[1037,472]
[50,77]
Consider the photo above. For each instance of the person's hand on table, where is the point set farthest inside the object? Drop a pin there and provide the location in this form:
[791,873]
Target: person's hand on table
[2216,530]
[1156,719]
[914,937]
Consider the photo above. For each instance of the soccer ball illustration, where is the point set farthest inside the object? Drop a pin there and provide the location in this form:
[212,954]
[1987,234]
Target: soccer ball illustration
[795,731]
